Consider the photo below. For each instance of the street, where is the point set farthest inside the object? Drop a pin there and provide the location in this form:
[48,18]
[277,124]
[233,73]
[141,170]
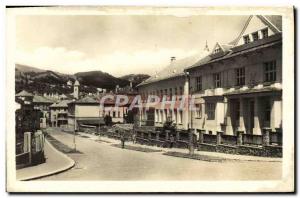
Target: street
[102,161]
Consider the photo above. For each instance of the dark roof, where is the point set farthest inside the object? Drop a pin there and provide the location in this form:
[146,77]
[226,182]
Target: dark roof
[174,69]
[87,100]
[63,103]
[243,49]
[24,94]
[42,99]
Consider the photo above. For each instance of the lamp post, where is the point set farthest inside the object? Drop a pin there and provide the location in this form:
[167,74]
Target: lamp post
[74,133]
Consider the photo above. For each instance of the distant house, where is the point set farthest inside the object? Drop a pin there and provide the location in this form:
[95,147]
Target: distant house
[69,83]
[59,113]
[87,111]
[43,103]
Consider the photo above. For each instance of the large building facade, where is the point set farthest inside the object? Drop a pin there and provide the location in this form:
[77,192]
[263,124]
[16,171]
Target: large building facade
[171,85]
[236,87]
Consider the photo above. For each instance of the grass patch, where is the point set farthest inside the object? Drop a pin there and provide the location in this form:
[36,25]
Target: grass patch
[195,156]
[60,146]
[136,148]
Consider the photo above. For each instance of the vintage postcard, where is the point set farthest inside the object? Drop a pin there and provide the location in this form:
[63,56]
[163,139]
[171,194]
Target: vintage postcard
[150,99]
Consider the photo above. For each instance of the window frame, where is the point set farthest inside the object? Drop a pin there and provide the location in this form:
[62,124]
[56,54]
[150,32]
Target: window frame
[199,83]
[256,37]
[240,75]
[265,30]
[211,109]
[270,71]
[217,80]
[246,39]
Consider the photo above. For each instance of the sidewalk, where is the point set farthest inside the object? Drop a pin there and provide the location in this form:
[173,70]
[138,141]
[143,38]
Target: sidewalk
[204,153]
[56,162]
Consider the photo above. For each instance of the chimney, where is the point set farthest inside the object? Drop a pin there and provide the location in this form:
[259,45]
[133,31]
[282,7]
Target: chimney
[173,58]
[206,47]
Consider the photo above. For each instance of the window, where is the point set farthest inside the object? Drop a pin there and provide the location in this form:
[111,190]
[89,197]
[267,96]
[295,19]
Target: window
[270,71]
[199,83]
[114,114]
[161,94]
[264,33]
[246,39]
[175,92]
[180,90]
[170,93]
[240,76]
[166,94]
[210,111]
[255,36]
[198,112]
[217,80]
[217,50]
[180,117]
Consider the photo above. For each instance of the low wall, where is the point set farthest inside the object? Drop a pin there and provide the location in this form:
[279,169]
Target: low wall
[263,151]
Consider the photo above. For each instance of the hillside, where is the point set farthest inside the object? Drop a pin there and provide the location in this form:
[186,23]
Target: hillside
[38,80]
[135,78]
[100,79]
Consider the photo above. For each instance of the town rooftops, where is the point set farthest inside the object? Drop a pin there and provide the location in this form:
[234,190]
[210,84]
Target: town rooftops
[42,99]
[24,94]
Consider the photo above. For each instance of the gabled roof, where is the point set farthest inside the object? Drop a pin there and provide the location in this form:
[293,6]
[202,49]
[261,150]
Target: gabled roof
[63,103]
[24,94]
[174,69]
[243,49]
[274,22]
[87,99]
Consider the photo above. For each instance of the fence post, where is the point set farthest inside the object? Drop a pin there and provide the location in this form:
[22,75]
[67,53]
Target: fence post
[177,135]
[266,136]
[27,144]
[191,142]
[142,134]
[167,135]
[240,138]
[201,138]
[219,137]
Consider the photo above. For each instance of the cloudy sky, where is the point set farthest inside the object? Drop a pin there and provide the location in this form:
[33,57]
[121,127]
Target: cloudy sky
[118,45]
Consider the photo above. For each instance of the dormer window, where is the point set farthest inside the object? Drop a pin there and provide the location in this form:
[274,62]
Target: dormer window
[264,33]
[246,39]
[255,36]
[217,50]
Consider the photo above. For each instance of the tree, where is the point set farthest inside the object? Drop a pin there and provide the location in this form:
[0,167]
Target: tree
[108,120]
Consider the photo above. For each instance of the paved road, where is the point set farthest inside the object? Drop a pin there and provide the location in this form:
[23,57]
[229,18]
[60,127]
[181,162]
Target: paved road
[101,161]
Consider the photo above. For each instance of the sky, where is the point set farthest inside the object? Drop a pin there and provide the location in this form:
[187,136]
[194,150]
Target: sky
[117,44]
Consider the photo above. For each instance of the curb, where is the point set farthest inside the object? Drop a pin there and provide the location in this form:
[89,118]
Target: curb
[70,165]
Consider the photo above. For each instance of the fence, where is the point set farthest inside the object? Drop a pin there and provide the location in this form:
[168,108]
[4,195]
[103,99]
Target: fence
[229,139]
[209,139]
[250,139]
[32,150]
